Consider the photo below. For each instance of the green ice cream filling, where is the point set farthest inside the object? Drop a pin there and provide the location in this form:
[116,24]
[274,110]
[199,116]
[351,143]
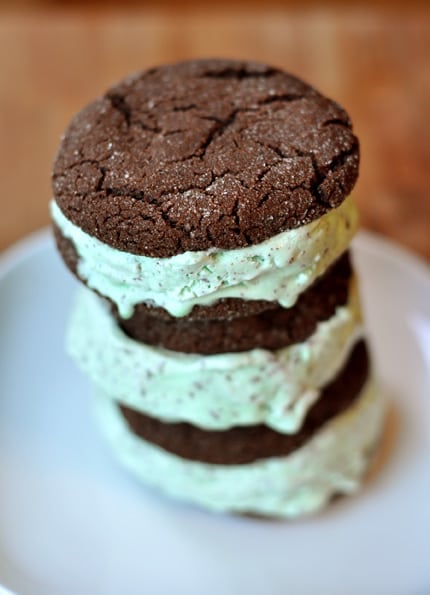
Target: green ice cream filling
[278,269]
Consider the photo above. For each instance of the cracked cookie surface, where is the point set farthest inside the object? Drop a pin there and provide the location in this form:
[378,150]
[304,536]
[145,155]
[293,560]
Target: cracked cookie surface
[201,154]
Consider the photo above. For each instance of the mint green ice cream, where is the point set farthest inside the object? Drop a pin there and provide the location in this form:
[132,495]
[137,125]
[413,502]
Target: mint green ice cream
[333,461]
[278,269]
[219,391]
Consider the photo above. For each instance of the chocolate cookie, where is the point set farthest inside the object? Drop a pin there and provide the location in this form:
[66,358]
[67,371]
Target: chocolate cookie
[242,445]
[232,324]
[201,154]
[207,203]
[273,328]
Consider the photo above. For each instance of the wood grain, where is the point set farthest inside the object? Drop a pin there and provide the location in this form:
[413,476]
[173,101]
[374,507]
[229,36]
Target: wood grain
[375,62]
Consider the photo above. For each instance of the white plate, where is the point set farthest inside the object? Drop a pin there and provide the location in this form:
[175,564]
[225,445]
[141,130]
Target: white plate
[73,523]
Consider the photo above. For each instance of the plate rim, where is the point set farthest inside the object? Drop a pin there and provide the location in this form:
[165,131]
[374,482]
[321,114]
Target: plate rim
[23,249]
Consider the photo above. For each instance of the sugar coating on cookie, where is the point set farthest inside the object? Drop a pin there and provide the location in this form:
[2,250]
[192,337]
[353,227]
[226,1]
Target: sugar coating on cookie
[201,154]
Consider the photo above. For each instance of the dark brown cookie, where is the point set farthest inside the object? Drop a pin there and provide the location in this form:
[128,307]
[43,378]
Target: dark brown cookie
[204,153]
[233,324]
[242,445]
[272,329]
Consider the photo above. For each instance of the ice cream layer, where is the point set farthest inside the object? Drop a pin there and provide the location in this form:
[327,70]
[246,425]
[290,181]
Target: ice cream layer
[332,462]
[275,388]
[278,269]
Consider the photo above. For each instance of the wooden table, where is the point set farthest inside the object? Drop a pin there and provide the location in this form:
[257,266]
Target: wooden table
[376,62]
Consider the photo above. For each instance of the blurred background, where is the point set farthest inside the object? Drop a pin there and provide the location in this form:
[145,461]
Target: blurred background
[372,57]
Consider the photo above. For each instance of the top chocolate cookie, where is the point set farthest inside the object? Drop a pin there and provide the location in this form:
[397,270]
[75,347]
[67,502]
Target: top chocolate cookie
[205,153]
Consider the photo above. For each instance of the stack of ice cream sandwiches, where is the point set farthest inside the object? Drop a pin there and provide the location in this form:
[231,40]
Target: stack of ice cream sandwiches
[206,208]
